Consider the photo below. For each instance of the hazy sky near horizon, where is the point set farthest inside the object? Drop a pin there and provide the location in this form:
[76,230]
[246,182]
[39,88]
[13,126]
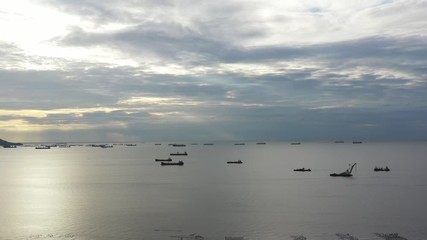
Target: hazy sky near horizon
[153,70]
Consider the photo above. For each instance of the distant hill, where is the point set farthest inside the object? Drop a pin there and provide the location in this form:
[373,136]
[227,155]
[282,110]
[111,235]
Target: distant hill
[6,143]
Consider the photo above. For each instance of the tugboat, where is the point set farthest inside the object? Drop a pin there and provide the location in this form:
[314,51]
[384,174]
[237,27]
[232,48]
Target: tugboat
[347,172]
[302,170]
[179,154]
[180,163]
[235,162]
[386,169]
[163,160]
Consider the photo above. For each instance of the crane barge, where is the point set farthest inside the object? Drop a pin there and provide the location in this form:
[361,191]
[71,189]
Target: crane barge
[346,173]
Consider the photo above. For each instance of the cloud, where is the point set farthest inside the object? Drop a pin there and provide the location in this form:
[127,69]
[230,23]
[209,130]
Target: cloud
[224,69]
[262,23]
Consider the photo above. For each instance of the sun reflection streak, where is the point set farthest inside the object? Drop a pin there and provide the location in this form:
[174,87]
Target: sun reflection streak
[37,193]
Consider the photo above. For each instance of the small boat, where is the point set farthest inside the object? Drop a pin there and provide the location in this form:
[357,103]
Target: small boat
[339,141]
[178,145]
[386,169]
[260,143]
[346,173]
[163,160]
[302,170]
[157,144]
[357,142]
[296,143]
[239,144]
[235,162]
[179,163]
[208,144]
[179,154]
[43,147]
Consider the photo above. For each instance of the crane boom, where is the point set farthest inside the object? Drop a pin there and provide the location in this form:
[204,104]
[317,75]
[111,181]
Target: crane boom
[351,168]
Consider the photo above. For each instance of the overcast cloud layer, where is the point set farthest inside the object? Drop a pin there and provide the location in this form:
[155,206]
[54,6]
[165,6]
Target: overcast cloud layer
[90,70]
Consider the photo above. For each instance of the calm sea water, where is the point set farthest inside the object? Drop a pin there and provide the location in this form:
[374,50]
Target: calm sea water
[122,193]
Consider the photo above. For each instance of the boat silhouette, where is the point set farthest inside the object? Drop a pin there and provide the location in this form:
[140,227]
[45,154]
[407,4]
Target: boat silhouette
[163,160]
[377,169]
[235,162]
[302,170]
[178,145]
[179,163]
[346,173]
[179,154]
[43,147]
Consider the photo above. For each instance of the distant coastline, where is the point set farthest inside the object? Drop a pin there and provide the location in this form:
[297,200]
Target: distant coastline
[6,143]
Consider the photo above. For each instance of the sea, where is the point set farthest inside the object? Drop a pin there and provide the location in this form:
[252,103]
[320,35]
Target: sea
[121,192]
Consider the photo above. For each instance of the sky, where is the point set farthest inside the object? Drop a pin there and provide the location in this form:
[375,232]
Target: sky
[225,70]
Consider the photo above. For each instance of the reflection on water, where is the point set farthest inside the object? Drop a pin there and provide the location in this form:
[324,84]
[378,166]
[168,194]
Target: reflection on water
[122,193]
[34,193]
